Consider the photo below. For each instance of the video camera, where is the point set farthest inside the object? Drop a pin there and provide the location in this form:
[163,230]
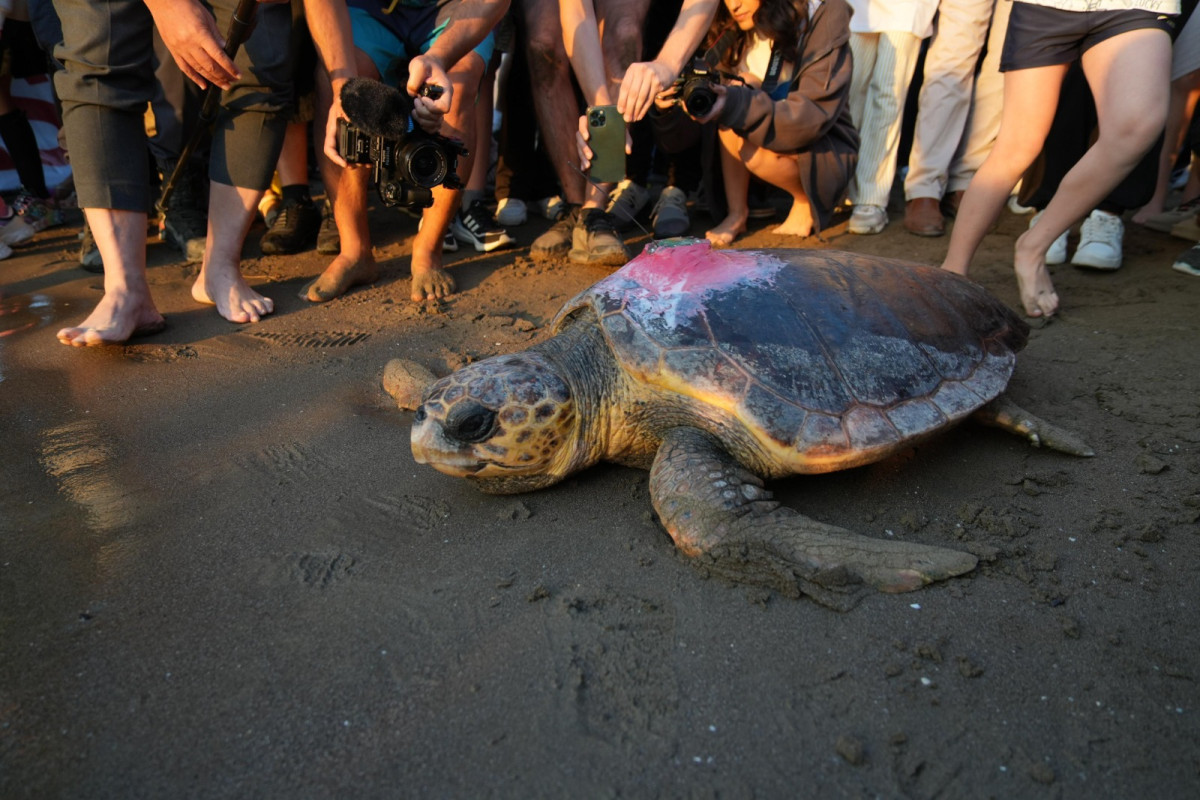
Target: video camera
[404,166]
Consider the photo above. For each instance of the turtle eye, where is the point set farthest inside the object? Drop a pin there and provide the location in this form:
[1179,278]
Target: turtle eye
[420,415]
[470,422]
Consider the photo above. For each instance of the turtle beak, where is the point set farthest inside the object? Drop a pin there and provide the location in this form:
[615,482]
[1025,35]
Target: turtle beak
[430,446]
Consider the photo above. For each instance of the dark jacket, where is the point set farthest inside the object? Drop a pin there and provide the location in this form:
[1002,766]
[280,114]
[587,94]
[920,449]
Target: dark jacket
[813,121]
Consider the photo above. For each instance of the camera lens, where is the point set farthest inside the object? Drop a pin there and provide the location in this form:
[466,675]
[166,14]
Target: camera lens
[422,163]
[699,100]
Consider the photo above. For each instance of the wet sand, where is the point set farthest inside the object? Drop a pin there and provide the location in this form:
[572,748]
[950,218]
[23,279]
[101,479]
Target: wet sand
[223,575]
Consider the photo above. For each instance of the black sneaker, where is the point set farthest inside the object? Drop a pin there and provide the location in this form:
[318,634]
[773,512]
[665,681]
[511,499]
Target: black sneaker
[595,240]
[556,242]
[476,226]
[295,229]
[185,229]
[329,242]
[184,226]
[89,254]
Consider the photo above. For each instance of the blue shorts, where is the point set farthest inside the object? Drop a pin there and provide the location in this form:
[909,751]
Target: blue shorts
[1041,36]
[391,40]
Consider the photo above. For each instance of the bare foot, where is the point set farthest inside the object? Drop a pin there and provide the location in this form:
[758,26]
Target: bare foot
[1147,211]
[799,221]
[430,281]
[337,279]
[1033,281]
[224,287]
[118,317]
[727,230]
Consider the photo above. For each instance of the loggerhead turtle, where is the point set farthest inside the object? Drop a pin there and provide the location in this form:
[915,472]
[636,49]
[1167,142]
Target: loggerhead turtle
[717,369]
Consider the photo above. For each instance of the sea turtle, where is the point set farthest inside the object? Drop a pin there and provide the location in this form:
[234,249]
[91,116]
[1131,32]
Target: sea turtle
[719,368]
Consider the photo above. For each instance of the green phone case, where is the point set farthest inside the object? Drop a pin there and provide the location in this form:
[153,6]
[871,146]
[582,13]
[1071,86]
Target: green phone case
[606,138]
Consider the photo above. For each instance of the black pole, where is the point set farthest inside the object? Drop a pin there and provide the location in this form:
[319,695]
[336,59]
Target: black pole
[239,30]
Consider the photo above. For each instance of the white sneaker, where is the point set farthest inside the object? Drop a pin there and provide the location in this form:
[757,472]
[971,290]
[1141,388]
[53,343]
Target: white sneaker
[1057,254]
[15,231]
[1100,241]
[511,211]
[5,251]
[868,219]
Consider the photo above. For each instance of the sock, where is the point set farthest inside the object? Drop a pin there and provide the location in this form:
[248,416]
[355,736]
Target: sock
[295,195]
[469,196]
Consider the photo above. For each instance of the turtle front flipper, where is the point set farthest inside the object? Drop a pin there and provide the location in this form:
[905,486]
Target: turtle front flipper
[718,512]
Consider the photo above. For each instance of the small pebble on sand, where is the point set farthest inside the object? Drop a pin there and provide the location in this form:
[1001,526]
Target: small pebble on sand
[406,381]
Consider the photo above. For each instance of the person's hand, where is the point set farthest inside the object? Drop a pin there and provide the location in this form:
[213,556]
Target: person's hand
[643,82]
[585,151]
[428,111]
[331,126]
[190,32]
[667,98]
[581,144]
[717,106]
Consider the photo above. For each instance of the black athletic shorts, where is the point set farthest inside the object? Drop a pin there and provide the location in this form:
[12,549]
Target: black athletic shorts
[1040,36]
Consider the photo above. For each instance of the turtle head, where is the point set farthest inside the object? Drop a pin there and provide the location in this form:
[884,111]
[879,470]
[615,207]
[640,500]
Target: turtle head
[507,423]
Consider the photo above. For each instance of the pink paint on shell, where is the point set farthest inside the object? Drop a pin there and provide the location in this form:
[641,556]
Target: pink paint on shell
[672,281]
[695,268]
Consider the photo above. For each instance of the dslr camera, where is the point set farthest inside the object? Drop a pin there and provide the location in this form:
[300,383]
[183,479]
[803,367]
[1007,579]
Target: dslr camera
[404,169]
[695,87]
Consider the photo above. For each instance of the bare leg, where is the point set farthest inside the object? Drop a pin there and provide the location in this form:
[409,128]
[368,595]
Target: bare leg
[553,93]
[430,280]
[737,183]
[231,210]
[1127,75]
[1185,91]
[1030,99]
[126,309]
[292,165]
[782,171]
[355,264]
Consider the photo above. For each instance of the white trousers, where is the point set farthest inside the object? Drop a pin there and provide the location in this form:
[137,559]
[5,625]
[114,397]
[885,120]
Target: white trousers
[883,69]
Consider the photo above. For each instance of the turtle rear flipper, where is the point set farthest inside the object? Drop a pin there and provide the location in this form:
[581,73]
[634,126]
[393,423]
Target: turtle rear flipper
[718,512]
[1003,413]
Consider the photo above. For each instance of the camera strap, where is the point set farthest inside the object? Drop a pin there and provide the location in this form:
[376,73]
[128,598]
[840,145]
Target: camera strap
[774,67]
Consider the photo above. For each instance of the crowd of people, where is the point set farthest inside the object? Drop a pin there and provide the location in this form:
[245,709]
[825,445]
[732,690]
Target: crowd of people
[1066,109]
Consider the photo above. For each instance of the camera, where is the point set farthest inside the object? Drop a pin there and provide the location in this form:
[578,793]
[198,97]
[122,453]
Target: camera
[403,169]
[696,87]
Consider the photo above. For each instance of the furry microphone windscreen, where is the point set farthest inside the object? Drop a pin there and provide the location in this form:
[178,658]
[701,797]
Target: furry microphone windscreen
[376,108]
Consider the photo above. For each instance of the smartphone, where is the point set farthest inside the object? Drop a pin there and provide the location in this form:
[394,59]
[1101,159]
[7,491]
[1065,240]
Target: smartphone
[606,138]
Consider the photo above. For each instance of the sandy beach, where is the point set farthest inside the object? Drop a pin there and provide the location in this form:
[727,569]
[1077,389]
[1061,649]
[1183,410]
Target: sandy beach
[223,575]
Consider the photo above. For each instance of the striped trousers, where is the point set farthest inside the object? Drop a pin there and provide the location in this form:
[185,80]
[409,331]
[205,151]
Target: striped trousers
[883,69]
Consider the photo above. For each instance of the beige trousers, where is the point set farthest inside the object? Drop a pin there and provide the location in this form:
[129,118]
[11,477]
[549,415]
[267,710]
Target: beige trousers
[987,103]
[945,98]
